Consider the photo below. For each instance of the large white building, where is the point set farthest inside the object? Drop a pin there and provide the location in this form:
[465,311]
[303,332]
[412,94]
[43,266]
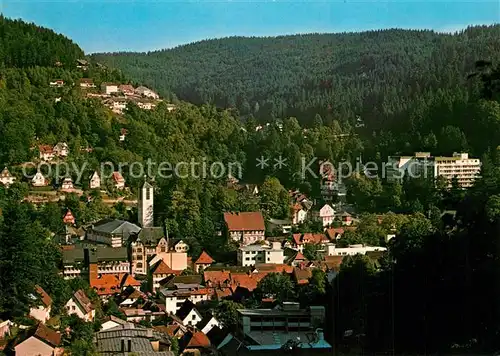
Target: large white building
[360,249]
[422,164]
[256,254]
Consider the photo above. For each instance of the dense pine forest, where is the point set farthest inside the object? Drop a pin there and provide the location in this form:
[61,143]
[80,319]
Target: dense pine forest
[436,290]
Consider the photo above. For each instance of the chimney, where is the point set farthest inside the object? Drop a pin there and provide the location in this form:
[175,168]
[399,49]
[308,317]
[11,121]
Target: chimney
[129,345]
[122,345]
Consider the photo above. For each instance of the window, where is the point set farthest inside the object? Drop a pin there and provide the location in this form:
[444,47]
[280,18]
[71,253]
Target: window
[139,265]
[148,194]
[73,307]
[247,259]
[162,249]
[193,317]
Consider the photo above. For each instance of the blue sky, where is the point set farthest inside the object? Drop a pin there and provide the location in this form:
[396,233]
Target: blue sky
[142,25]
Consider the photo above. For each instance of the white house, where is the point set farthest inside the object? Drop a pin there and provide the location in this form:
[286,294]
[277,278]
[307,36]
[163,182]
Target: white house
[208,323]
[42,305]
[6,178]
[255,254]
[111,322]
[80,305]
[352,250]
[67,184]
[174,299]
[39,180]
[95,181]
[61,149]
[326,215]
[188,314]
[299,214]
[109,88]
[57,83]
[142,90]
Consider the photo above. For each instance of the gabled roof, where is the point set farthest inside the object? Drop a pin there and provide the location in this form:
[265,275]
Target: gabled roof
[196,340]
[149,236]
[5,173]
[117,177]
[47,335]
[45,149]
[244,221]
[116,227]
[44,297]
[162,268]
[333,232]
[204,259]
[216,277]
[217,335]
[332,262]
[188,279]
[302,275]
[185,309]
[81,298]
[309,238]
[127,280]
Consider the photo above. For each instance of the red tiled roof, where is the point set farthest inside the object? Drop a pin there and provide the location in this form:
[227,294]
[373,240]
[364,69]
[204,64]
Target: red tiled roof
[244,221]
[204,259]
[84,301]
[246,281]
[302,275]
[299,257]
[45,149]
[216,277]
[45,298]
[223,293]
[47,335]
[68,217]
[332,262]
[117,177]
[162,268]
[128,280]
[273,268]
[106,284]
[334,231]
[198,340]
[309,238]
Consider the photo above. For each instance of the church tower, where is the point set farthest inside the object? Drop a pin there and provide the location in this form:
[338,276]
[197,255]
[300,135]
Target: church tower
[145,205]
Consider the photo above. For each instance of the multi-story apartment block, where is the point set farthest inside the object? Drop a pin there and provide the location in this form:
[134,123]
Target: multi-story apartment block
[422,164]
[114,233]
[109,260]
[255,254]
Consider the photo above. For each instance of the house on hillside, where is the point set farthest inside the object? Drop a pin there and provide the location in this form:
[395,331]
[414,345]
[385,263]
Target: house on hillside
[39,341]
[6,178]
[39,180]
[42,305]
[118,180]
[142,90]
[58,83]
[61,149]
[47,153]
[123,134]
[86,83]
[109,88]
[67,185]
[300,240]
[126,89]
[80,305]
[82,64]
[68,218]
[95,181]
[245,227]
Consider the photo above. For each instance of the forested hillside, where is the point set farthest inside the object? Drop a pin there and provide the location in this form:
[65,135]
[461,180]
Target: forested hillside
[378,75]
[26,45]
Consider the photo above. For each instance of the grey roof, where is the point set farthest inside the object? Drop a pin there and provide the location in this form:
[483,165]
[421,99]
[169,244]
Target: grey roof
[108,342]
[185,309]
[279,222]
[149,235]
[116,227]
[147,185]
[95,254]
[196,279]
